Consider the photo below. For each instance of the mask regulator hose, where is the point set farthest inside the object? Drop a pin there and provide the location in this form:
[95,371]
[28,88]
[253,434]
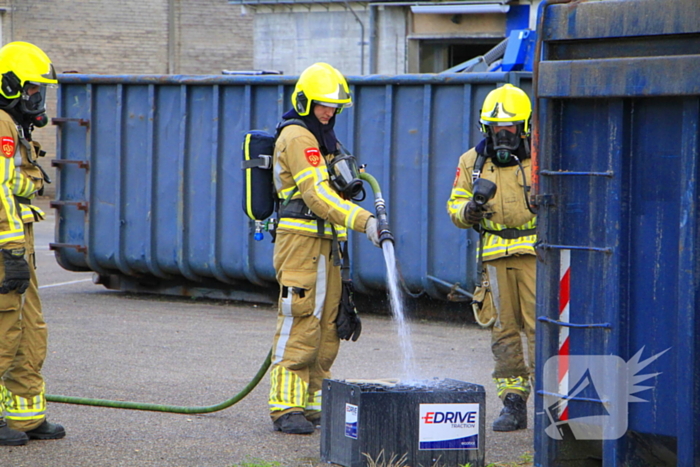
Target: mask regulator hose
[380,208]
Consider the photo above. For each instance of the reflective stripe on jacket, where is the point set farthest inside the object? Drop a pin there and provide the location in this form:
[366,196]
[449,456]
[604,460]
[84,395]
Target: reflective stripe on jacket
[299,169]
[11,224]
[508,206]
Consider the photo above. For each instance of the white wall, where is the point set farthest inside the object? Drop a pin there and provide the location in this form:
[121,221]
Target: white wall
[291,38]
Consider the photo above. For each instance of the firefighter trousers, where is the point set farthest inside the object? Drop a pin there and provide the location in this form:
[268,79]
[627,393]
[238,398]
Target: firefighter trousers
[306,341]
[512,282]
[23,342]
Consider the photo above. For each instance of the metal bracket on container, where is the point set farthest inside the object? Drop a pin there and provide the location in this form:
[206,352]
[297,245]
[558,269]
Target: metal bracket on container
[574,325]
[608,173]
[81,205]
[61,162]
[548,246]
[58,246]
[544,200]
[61,120]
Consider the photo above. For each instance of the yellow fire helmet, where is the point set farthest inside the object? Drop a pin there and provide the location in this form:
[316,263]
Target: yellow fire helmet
[323,84]
[507,105]
[22,63]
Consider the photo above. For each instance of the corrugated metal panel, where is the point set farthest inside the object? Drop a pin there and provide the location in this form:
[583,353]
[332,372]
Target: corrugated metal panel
[150,180]
[618,189]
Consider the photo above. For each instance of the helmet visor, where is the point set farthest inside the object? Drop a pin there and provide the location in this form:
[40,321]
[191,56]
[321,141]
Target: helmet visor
[334,105]
[33,99]
[51,74]
[505,139]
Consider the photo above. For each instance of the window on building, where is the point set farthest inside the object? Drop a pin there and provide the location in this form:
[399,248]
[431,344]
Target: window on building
[436,56]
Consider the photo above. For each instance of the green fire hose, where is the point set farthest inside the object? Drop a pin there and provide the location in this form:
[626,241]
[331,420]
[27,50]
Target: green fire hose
[167,408]
[384,234]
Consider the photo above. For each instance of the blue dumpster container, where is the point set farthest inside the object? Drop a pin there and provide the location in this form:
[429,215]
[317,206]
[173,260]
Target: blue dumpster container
[149,177]
[618,99]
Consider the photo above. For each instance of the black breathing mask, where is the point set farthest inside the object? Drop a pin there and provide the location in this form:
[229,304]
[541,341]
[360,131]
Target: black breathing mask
[33,104]
[505,143]
[345,177]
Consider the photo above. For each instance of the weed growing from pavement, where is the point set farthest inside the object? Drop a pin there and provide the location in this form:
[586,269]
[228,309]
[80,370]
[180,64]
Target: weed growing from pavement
[525,460]
[254,462]
[395,461]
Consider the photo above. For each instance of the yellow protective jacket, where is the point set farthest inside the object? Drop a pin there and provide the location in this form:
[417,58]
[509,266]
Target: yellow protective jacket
[18,178]
[300,169]
[508,206]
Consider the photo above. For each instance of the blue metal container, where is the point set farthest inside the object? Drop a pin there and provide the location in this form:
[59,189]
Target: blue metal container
[618,98]
[150,177]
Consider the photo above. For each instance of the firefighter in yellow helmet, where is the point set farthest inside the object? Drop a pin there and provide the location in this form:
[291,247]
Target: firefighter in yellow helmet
[313,179]
[490,195]
[25,72]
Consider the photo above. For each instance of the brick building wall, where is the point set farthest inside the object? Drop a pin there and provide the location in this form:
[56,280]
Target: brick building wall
[129,37]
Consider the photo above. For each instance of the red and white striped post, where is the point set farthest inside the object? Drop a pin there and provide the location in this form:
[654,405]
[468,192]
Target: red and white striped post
[564,298]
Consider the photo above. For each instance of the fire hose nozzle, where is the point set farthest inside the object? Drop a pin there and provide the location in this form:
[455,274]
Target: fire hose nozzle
[382,221]
[380,208]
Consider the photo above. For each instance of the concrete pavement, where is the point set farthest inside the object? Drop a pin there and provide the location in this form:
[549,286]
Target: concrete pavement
[179,351]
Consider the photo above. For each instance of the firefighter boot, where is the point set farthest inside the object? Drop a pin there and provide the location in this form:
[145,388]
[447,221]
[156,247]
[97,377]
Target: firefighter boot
[10,437]
[513,415]
[294,423]
[47,431]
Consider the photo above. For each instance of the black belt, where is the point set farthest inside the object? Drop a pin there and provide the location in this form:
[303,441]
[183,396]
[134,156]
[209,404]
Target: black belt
[23,200]
[297,209]
[509,234]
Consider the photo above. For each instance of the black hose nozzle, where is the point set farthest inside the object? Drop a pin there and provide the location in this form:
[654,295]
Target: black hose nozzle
[380,208]
[382,222]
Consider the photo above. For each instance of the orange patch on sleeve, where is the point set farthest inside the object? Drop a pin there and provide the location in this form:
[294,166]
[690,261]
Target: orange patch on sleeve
[8,146]
[313,155]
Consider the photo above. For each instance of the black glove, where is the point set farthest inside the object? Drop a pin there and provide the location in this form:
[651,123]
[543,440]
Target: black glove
[472,213]
[16,271]
[348,322]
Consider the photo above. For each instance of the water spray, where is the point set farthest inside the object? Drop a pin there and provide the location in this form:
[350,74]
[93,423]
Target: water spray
[386,241]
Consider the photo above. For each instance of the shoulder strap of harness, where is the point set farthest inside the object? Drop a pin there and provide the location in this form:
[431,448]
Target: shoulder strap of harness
[480,160]
[285,123]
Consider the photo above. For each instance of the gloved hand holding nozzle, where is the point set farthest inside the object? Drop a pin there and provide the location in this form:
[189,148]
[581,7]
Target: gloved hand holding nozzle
[372,231]
[475,210]
[472,213]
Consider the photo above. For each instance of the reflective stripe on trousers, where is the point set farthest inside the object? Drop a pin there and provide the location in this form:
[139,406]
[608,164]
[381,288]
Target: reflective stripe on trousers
[518,385]
[20,409]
